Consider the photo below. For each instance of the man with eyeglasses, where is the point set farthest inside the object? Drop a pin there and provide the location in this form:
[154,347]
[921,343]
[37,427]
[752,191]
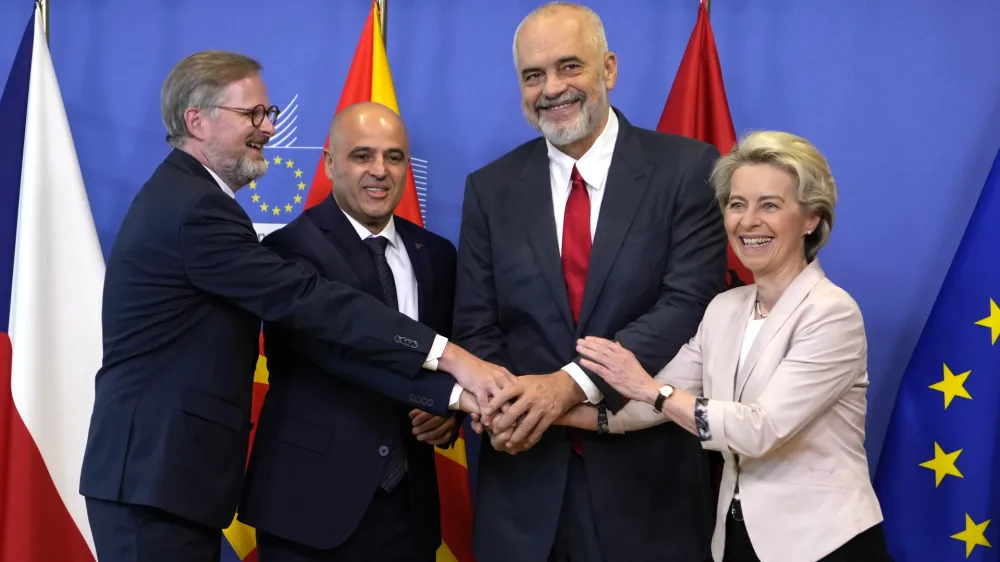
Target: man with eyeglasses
[186,288]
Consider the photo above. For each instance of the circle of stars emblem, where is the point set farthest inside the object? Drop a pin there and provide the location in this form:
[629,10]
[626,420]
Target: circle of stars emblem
[289,206]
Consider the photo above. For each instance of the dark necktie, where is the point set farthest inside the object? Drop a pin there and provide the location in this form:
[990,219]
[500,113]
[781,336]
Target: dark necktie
[576,255]
[395,467]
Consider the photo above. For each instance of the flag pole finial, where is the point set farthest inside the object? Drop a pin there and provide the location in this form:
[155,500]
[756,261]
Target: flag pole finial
[383,15]
[43,5]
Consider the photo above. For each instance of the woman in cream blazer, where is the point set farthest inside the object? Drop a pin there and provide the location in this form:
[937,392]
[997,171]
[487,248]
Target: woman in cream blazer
[775,377]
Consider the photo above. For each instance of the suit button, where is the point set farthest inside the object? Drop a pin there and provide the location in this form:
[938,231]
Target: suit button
[383,451]
[398,339]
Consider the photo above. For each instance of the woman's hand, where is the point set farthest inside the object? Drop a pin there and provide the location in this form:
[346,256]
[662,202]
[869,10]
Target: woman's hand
[618,367]
[467,403]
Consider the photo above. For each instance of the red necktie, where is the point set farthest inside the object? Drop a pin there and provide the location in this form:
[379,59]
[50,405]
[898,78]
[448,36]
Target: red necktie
[576,255]
[576,242]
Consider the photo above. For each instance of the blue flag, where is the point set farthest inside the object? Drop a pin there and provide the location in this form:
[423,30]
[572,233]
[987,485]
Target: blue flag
[939,476]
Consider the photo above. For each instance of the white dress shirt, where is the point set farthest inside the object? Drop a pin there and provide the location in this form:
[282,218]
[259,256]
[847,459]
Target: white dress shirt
[406,293]
[593,166]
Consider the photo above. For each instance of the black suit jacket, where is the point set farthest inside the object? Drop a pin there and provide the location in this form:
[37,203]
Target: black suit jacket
[187,284]
[328,418]
[658,258]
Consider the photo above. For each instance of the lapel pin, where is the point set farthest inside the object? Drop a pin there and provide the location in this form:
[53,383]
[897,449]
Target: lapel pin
[418,245]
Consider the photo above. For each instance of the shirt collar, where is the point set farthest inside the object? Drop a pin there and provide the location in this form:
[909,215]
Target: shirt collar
[221,183]
[593,165]
[389,232]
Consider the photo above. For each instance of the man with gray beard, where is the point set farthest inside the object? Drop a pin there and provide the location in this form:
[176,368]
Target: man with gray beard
[598,228]
[187,285]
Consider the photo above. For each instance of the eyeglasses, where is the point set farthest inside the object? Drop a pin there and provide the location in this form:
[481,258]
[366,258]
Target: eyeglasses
[256,113]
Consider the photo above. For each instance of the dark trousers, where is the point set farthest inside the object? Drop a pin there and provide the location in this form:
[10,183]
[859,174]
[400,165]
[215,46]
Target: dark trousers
[866,546]
[386,533]
[576,535]
[136,533]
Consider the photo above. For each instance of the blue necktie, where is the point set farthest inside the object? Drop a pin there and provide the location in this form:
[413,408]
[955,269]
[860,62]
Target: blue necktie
[396,465]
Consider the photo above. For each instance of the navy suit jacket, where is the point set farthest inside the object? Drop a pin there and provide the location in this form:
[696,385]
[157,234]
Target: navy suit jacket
[658,259]
[329,417]
[186,287]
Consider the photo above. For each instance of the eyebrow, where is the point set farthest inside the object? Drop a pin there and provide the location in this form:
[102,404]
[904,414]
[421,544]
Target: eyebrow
[559,62]
[394,149]
[762,198]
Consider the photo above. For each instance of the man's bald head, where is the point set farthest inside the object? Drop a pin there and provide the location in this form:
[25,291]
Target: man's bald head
[363,116]
[367,162]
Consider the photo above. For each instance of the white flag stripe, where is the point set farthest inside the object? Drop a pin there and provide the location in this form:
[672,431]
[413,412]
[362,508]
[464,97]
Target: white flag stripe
[55,320]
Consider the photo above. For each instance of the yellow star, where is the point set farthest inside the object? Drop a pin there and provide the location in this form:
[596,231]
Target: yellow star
[277,159]
[298,173]
[289,163]
[301,186]
[276,210]
[973,535]
[255,198]
[943,464]
[298,198]
[992,321]
[288,208]
[253,185]
[263,207]
[952,386]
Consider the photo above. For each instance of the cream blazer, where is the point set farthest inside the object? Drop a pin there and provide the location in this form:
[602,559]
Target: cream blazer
[793,415]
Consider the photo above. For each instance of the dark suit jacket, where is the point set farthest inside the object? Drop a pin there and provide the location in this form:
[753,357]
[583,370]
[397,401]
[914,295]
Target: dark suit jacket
[658,258]
[328,418]
[186,287]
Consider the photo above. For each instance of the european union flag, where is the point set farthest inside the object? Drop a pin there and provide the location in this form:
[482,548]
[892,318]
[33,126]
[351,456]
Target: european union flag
[939,477]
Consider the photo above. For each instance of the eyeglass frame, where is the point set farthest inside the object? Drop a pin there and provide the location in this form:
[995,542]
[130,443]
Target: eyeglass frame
[251,112]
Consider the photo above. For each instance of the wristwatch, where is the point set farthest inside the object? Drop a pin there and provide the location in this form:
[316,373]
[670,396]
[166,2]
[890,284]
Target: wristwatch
[666,391]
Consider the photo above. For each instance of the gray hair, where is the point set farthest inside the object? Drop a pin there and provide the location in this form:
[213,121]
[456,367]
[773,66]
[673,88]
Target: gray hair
[815,189]
[597,38]
[200,81]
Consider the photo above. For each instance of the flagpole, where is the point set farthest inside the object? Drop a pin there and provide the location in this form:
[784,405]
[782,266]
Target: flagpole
[383,14]
[44,6]
[708,8]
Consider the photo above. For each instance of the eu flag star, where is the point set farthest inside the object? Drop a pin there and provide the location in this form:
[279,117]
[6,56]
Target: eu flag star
[952,386]
[974,535]
[277,159]
[943,464]
[992,321]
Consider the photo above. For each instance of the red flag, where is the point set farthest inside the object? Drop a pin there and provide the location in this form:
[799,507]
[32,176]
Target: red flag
[696,107]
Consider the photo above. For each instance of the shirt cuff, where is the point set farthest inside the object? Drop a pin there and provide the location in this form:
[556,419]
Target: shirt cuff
[456,394]
[594,395]
[437,350]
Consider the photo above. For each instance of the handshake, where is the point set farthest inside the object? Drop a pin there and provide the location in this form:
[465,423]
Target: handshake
[514,411]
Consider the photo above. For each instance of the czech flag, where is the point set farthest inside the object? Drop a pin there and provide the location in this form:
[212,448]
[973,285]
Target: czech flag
[51,283]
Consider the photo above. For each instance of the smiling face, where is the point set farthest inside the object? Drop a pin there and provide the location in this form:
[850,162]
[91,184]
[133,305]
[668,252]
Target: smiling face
[367,162]
[228,140]
[564,77]
[765,222]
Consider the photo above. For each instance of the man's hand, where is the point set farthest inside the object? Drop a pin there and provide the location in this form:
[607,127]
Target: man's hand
[432,429]
[475,375]
[541,399]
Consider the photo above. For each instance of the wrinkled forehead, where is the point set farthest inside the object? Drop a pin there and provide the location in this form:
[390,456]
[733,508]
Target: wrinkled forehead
[547,40]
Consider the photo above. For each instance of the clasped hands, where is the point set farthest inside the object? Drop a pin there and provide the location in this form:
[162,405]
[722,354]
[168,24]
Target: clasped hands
[516,417]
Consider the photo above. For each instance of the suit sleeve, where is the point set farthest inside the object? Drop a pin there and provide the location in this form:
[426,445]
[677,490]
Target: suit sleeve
[695,273]
[683,372]
[476,325]
[223,257]
[824,361]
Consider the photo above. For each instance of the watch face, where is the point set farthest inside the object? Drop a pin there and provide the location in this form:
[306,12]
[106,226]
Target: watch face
[666,390]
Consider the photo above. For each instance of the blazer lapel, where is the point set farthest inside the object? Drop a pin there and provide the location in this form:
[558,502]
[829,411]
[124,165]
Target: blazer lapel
[782,311]
[534,194]
[735,328]
[420,259]
[628,179]
[339,231]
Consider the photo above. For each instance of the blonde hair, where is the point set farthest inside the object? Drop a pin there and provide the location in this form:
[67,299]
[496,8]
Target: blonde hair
[200,81]
[815,188]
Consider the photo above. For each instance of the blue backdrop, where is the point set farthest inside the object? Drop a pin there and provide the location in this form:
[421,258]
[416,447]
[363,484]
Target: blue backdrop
[902,97]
